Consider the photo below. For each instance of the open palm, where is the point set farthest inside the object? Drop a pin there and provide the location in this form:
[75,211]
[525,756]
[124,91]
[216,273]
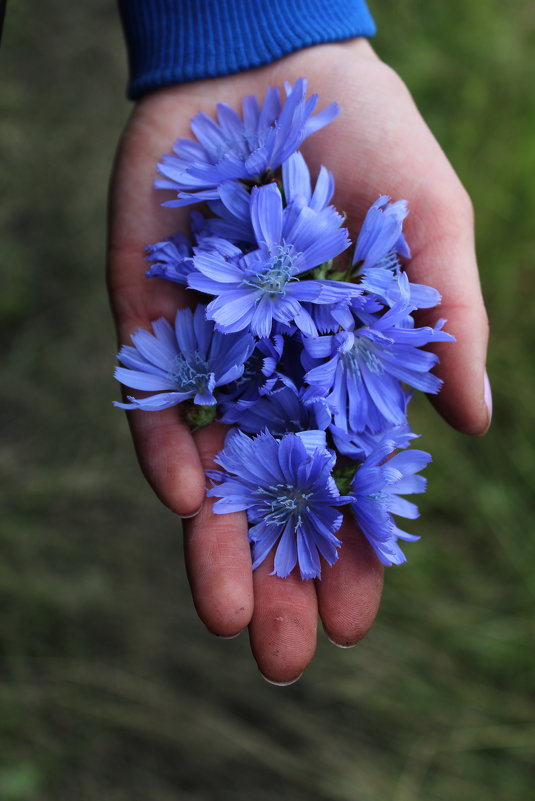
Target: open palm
[378,145]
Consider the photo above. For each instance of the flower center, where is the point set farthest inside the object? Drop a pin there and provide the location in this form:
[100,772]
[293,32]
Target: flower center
[390,261]
[190,374]
[284,501]
[364,350]
[241,145]
[276,274]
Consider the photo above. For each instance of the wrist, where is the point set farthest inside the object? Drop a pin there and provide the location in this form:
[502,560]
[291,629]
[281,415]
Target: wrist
[175,41]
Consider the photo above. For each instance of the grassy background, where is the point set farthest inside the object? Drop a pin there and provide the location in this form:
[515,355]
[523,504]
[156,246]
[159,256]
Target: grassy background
[110,688]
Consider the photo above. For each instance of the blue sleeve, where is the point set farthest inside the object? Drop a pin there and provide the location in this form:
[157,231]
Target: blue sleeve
[174,41]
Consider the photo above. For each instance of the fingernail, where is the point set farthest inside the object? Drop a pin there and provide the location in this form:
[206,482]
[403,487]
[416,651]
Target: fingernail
[488,396]
[340,645]
[228,637]
[193,514]
[280,683]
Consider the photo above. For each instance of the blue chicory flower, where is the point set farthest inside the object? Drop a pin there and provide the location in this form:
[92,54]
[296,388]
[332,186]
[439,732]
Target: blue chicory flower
[361,371]
[381,236]
[380,241]
[376,487]
[240,149]
[187,362]
[261,286]
[289,495]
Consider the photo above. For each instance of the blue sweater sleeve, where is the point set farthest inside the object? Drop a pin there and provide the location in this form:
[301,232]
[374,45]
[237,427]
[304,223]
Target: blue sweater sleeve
[174,41]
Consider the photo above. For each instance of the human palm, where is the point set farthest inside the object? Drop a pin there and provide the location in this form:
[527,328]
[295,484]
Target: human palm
[379,144]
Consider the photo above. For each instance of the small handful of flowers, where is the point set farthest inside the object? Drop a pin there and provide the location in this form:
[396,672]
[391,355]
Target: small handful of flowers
[306,354]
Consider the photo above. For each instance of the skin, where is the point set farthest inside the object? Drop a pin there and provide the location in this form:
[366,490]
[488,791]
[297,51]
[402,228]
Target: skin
[379,144]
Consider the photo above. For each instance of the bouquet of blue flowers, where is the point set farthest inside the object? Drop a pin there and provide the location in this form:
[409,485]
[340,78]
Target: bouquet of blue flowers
[306,349]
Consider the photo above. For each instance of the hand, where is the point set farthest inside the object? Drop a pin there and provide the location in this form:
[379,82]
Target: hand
[378,145]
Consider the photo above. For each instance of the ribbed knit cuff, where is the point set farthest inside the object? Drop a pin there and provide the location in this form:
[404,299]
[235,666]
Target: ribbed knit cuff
[174,41]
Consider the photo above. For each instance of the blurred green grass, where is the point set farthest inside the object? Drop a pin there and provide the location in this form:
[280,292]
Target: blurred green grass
[109,686]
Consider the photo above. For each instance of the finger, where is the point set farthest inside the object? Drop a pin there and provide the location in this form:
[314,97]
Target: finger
[165,449]
[218,557]
[441,233]
[349,591]
[169,459]
[283,628]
